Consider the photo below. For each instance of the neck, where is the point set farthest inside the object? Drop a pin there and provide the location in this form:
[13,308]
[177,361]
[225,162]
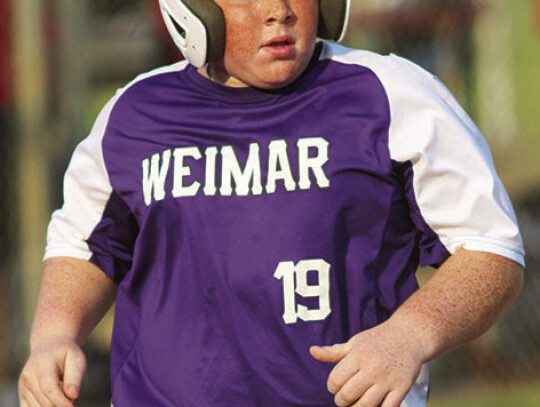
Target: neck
[213,72]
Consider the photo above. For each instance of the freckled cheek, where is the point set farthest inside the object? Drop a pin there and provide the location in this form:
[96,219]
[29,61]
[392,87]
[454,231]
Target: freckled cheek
[241,44]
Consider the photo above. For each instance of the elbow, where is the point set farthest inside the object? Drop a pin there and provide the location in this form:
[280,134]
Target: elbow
[516,279]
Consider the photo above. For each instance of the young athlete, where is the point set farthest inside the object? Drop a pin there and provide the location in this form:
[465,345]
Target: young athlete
[259,213]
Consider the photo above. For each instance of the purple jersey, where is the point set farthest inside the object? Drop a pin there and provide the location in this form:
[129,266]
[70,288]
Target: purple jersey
[244,226]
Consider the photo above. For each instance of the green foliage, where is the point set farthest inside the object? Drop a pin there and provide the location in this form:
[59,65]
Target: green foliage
[526,57]
[523,395]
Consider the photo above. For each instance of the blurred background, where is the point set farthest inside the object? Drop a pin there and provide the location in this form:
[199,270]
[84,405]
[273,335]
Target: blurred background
[60,60]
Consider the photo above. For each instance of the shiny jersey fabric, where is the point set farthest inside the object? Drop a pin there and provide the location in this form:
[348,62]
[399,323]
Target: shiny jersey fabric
[243,226]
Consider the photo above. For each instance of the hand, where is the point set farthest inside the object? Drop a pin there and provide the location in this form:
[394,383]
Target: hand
[53,374]
[375,367]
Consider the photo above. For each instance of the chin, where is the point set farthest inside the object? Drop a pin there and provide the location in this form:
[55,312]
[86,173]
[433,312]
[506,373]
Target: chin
[278,78]
[270,85]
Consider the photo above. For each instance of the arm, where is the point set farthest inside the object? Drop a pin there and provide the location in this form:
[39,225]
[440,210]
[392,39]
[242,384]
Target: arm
[467,295]
[74,295]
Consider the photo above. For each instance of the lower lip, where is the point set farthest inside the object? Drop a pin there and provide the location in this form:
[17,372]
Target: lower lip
[282,51]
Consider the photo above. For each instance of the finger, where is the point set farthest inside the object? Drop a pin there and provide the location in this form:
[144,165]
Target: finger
[24,384]
[355,388]
[29,401]
[393,399]
[331,354]
[342,373]
[51,392]
[371,398]
[23,402]
[74,370]
[38,399]
[30,390]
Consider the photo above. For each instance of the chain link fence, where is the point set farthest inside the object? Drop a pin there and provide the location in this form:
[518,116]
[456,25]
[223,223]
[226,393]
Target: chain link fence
[92,47]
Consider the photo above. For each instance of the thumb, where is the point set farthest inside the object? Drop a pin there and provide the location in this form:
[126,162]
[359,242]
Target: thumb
[74,370]
[331,354]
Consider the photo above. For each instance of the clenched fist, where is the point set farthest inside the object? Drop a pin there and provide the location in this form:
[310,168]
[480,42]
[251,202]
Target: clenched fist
[53,374]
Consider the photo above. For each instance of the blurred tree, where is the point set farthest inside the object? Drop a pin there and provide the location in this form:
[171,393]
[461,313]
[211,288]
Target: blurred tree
[107,7]
[537,8]
[7,152]
[436,34]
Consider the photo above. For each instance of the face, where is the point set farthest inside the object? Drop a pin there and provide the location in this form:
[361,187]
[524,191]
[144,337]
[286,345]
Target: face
[268,43]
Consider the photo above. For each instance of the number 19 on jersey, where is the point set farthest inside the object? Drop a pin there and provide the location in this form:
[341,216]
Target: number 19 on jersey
[295,282]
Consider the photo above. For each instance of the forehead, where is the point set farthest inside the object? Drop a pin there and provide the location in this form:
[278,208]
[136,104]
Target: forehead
[244,13]
[265,4]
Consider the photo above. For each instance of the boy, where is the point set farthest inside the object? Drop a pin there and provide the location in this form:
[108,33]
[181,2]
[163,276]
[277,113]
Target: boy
[247,207]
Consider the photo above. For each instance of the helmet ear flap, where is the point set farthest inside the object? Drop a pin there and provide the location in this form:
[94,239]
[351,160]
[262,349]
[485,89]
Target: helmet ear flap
[198,26]
[214,21]
[333,19]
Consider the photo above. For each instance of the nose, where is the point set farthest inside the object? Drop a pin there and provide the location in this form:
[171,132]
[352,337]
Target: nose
[279,11]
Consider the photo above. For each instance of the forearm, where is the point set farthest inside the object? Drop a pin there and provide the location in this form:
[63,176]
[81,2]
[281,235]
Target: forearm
[74,295]
[465,297]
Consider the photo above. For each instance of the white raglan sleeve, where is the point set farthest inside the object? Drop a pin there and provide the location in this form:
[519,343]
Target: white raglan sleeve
[455,189]
[86,192]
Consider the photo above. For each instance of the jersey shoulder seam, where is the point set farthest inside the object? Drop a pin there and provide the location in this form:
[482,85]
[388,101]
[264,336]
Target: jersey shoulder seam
[176,67]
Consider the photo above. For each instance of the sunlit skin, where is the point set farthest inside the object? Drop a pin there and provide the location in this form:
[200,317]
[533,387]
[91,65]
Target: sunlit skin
[268,42]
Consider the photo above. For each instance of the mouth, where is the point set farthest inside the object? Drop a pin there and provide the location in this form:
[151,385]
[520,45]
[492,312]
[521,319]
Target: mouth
[281,41]
[280,47]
